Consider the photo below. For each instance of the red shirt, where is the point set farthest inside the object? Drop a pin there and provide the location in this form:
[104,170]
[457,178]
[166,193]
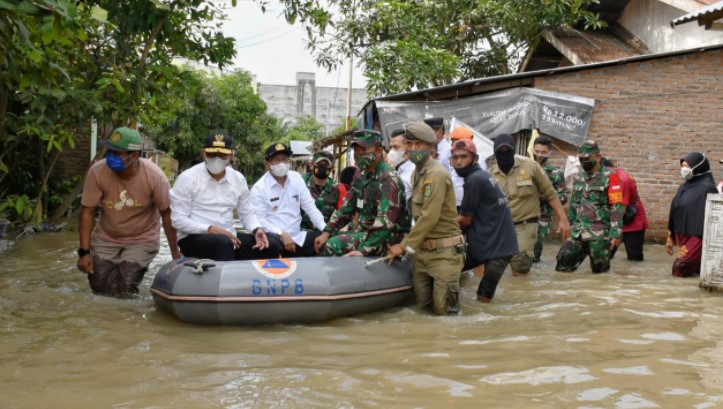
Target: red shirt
[630,195]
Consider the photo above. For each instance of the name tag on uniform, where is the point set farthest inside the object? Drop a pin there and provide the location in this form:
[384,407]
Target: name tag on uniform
[359,203]
[524,182]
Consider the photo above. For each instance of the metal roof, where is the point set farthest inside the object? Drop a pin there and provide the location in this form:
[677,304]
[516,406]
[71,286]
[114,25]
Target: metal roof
[474,86]
[708,14]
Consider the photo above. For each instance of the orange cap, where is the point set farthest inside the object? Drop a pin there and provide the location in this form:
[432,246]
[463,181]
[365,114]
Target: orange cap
[461,133]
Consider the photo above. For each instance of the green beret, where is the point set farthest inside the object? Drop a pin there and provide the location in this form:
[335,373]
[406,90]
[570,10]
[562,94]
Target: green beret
[588,148]
[420,131]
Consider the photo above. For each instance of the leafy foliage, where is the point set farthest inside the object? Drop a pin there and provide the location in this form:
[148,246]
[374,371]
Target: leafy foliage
[216,102]
[63,62]
[408,44]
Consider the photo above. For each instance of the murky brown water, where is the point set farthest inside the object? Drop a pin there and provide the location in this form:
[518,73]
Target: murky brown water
[635,338]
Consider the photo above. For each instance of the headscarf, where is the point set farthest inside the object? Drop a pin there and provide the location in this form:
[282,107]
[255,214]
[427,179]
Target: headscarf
[687,209]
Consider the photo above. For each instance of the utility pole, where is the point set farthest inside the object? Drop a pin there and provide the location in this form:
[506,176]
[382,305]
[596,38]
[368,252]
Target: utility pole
[348,95]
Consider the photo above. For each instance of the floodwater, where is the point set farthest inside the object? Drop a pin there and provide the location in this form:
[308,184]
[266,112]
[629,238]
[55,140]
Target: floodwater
[632,338]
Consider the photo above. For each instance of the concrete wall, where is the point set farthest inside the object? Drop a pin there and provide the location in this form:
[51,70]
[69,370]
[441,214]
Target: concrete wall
[649,20]
[649,114]
[326,104]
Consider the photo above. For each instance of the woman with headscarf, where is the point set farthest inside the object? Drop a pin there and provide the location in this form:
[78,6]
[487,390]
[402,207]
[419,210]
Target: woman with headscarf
[687,214]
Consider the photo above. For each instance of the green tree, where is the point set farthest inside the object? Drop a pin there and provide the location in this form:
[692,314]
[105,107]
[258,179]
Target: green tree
[405,45]
[216,102]
[306,128]
[64,62]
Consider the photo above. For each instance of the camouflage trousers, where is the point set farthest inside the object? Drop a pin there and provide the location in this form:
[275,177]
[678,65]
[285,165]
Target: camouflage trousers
[348,242]
[573,253]
[543,229]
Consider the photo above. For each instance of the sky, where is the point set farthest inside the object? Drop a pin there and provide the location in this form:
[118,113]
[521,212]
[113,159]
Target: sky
[272,50]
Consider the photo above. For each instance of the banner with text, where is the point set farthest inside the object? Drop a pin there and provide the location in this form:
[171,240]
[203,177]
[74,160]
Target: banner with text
[563,116]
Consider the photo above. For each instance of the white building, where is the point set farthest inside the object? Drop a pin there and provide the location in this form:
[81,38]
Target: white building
[326,104]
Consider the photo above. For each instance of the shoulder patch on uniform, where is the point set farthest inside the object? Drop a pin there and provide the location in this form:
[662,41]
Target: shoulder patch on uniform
[428,190]
[615,191]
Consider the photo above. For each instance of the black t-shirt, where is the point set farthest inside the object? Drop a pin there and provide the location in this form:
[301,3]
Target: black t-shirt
[491,234]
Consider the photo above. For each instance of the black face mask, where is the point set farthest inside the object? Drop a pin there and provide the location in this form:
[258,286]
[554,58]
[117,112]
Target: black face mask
[588,164]
[322,172]
[465,171]
[505,160]
[540,159]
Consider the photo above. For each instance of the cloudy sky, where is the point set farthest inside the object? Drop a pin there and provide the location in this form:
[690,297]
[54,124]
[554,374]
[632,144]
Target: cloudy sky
[272,50]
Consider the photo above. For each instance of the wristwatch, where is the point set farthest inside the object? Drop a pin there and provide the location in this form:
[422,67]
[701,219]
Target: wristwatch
[83,252]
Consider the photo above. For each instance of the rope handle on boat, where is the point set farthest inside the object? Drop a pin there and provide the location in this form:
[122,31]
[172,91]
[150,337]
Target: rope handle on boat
[201,265]
[372,262]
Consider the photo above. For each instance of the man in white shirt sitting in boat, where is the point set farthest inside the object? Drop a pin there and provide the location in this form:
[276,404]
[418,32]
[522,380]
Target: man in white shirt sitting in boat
[203,200]
[400,160]
[278,197]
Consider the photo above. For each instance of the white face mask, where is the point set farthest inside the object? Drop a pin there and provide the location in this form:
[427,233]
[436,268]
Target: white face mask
[215,165]
[280,169]
[396,157]
[686,173]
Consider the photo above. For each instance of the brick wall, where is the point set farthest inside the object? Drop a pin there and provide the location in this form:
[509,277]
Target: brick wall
[649,114]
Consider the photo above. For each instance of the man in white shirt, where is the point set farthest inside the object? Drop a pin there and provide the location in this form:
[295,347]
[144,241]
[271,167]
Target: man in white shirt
[278,197]
[203,200]
[444,154]
[400,160]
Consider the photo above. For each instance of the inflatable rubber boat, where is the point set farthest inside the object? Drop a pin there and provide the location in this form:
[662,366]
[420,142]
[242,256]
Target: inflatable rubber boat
[299,290]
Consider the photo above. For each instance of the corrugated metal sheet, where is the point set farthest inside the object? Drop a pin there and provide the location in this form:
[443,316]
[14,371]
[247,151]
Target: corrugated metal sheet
[713,11]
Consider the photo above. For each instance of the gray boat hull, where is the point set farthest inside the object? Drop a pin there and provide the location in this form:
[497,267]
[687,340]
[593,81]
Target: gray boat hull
[303,290]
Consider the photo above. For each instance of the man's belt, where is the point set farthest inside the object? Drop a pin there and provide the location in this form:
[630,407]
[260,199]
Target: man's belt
[434,244]
[530,220]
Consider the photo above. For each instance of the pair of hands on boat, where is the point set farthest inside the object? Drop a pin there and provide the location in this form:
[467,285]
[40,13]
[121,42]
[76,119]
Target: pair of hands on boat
[320,241]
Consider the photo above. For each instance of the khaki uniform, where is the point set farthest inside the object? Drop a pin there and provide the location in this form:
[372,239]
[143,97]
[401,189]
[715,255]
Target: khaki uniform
[524,186]
[435,242]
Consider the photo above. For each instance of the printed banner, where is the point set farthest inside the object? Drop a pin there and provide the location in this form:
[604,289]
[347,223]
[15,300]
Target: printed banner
[563,116]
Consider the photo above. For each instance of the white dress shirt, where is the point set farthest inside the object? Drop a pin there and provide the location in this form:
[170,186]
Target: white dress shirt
[404,171]
[444,151]
[279,208]
[198,202]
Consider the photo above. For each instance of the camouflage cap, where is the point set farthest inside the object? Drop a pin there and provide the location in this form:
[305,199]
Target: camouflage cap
[366,138]
[322,156]
[587,148]
[124,140]
[418,130]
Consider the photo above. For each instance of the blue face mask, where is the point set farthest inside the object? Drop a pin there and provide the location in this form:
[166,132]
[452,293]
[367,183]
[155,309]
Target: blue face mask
[114,162]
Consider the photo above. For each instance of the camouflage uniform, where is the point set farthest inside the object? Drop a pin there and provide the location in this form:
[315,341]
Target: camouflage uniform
[557,177]
[325,200]
[383,215]
[596,217]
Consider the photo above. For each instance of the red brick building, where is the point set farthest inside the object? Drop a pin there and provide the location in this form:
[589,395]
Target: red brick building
[649,111]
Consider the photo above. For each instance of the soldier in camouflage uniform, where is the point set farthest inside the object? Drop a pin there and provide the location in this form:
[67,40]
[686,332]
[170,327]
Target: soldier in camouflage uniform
[541,152]
[327,194]
[377,194]
[596,214]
